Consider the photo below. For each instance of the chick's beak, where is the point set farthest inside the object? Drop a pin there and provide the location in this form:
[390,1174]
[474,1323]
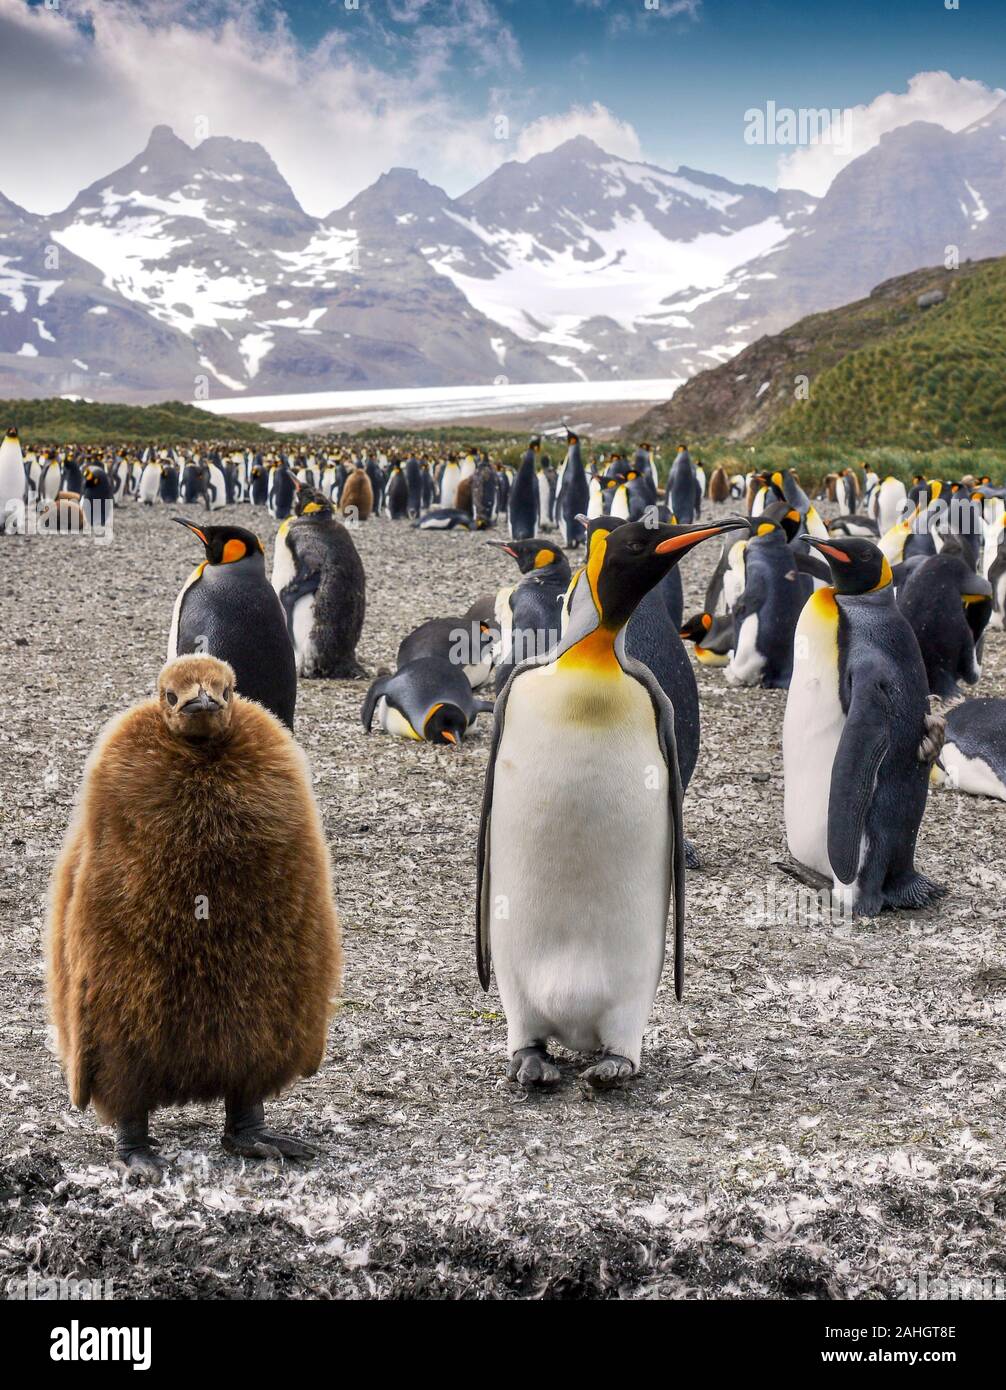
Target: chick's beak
[203,703]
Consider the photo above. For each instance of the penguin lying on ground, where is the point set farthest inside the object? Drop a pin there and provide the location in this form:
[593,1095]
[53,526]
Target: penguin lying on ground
[948,607]
[973,759]
[319,578]
[858,739]
[429,698]
[227,608]
[209,983]
[444,519]
[466,642]
[578,943]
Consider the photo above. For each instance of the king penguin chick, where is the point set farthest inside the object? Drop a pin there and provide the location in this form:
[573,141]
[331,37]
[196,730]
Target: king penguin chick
[210,983]
[227,608]
[318,575]
[579,945]
[858,738]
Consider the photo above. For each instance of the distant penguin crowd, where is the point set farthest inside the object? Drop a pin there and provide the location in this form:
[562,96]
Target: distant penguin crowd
[867,607]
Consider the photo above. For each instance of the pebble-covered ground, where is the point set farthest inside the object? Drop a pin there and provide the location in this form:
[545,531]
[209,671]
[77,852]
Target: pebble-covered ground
[823,1117]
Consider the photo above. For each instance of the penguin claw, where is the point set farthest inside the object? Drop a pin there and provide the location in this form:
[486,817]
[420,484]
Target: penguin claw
[141,1166]
[530,1067]
[608,1072]
[265,1144]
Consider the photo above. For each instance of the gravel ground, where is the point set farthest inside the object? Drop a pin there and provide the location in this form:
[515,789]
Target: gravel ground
[822,1118]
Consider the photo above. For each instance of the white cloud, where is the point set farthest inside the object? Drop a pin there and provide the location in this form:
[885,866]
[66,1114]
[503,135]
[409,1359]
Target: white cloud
[953,102]
[332,118]
[594,121]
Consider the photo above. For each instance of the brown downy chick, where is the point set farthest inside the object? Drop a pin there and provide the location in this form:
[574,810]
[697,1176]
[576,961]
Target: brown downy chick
[193,943]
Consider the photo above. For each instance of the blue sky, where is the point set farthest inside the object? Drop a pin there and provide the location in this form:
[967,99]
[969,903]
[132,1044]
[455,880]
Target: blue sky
[337,95]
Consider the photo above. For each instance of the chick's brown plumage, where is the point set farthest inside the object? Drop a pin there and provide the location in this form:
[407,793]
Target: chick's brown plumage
[193,943]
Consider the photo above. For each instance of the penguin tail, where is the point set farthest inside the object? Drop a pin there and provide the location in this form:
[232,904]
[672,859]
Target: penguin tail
[810,878]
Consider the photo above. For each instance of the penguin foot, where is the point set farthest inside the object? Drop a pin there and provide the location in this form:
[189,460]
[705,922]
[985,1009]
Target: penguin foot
[134,1153]
[915,890]
[530,1066]
[246,1136]
[141,1166]
[610,1071]
[692,860]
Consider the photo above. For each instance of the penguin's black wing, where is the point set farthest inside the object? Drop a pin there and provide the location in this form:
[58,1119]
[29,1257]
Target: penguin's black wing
[862,748]
[370,700]
[664,713]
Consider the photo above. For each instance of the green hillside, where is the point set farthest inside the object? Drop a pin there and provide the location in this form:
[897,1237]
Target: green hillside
[941,381]
[56,421]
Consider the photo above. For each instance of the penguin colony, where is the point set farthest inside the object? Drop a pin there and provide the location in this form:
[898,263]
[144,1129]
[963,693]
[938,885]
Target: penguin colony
[868,624]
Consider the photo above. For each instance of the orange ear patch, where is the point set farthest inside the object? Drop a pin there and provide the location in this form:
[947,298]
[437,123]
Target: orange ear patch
[233,550]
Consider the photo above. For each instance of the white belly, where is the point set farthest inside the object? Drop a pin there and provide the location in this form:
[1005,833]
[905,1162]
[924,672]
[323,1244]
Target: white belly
[971,775]
[746,661]
[578,879]
[303,635]
[811,731]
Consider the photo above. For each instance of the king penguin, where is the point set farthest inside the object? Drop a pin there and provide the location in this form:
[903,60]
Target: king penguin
[228,609]
[13,483]
[974,752]
[572,494]
[522,507]
[318,575]
[858,739]
[578,942]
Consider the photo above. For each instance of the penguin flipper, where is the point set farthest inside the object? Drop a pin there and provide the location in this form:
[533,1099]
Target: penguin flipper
[861,750]
[483,944]
[370,700]
[664,713]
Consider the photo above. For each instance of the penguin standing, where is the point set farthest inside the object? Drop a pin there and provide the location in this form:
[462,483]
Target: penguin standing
[258,485]
[97,499]
[318,575]
[227,608]
[767,612]
[572,494]
[414,483]
[167,489]
[681,496]
[450,479]
[13,484]
[357,499]
[887,503]
[948,607]
[429,698]
[397,494]
[192,942]
[857,737]
[578,943]
[529,615]
[281,492]
[524,501]
[485,494]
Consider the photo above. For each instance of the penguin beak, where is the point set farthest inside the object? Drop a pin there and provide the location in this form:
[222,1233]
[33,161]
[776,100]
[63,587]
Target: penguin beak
[831,552]
[502,545]
[692,535]
[191,526]
[203,703]
[451,738]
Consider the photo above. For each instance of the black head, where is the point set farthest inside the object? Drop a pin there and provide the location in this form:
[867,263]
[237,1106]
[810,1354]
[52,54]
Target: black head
[310,502]
[857,565]
[626,558]
[777,517]
[225,545]
[532,554]
[445,724]
[696,627]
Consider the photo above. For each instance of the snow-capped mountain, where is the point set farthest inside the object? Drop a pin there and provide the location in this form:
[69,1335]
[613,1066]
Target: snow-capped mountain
[190,271]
